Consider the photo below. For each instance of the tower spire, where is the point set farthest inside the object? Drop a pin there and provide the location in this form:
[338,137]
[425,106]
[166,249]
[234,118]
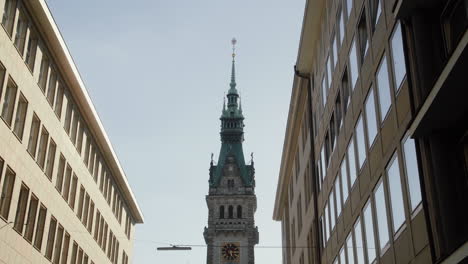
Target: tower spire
[233,70]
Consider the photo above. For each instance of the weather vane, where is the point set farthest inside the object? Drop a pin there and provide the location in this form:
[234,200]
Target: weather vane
[233,42]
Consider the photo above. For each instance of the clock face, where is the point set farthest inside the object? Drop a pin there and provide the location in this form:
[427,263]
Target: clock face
[230,251]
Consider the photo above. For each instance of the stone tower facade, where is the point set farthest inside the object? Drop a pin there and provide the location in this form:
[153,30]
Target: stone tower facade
[231,233]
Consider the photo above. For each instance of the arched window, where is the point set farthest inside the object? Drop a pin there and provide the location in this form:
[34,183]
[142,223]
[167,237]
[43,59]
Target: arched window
[239,211]
[231,211]
[221,212]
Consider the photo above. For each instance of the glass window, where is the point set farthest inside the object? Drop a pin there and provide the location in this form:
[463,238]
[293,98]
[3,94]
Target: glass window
[60,173]
[31,220]
[339,116]
[41,157]
[7,192]
[369,229]
[383,88]
[335,51]
[342,255]
[331,199]
[59,100]
[324,166]
[33,135]
[398,56]
[350,248]
[359,243]
[31,50]
[360,143]
[329,73]
[327,223]
[371,117]
[43,72]
[352,162]
[353,64]
[412,173]
[9,15]
[349,7]
[9,102]
[40,227]
[324,90]
[341,26]
[74,185]
[338,196]
[51,238]
[344,179]
[67,183]
[21,209]
[52,87]
[381,213]
[396,194]
[375,10]
[21,110]
[362,37]
[58,245]
[51,159]
[323,226]
[21,29]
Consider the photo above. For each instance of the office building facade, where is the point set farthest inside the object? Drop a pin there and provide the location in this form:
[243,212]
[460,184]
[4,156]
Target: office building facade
[375,156]
[64,195]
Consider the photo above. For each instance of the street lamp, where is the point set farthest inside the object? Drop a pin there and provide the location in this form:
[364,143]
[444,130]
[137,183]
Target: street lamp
[174,247]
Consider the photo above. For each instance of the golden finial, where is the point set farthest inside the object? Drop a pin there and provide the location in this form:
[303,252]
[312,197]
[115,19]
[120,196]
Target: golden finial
[233,42]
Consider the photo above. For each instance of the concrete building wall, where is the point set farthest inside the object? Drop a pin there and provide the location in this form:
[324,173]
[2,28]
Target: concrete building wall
[102,222]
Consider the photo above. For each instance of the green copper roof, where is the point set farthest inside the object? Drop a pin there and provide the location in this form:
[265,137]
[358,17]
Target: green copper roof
[232,136]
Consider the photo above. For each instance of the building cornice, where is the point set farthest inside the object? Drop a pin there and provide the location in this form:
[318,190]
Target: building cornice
[59,50]
[310,34]
[293,127]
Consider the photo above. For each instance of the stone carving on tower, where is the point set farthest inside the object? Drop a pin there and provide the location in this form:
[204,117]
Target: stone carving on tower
[231,233]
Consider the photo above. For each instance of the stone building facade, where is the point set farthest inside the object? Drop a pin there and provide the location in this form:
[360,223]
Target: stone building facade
[375,156]
[64,197]
[231,233]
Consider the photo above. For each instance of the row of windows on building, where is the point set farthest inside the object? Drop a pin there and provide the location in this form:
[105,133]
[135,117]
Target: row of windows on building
[386,205]
[334,42]
[30,223]
[43,149]
[230,213]
[377,105]
[58,95]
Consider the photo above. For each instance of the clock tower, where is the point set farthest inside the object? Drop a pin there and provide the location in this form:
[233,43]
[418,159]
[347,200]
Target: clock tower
[231,233]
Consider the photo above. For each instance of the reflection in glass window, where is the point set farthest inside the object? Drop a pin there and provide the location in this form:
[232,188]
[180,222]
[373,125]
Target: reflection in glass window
[329,73]
[371,117]
[398,56]
[344,179]
[359,243]
[361,146]
[352,162]
[369,228]
[342,255]
[324,90]
[350,248]
[375,10]
[324,166]
[334,51]
[383,88]
[331,200]
[396,194]
[341,26]
[349,7]
[381,212]
[353,64]
[337,187]
[412,173]
[327,223]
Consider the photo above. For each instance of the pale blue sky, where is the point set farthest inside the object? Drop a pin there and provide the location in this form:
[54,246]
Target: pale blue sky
[157,71]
